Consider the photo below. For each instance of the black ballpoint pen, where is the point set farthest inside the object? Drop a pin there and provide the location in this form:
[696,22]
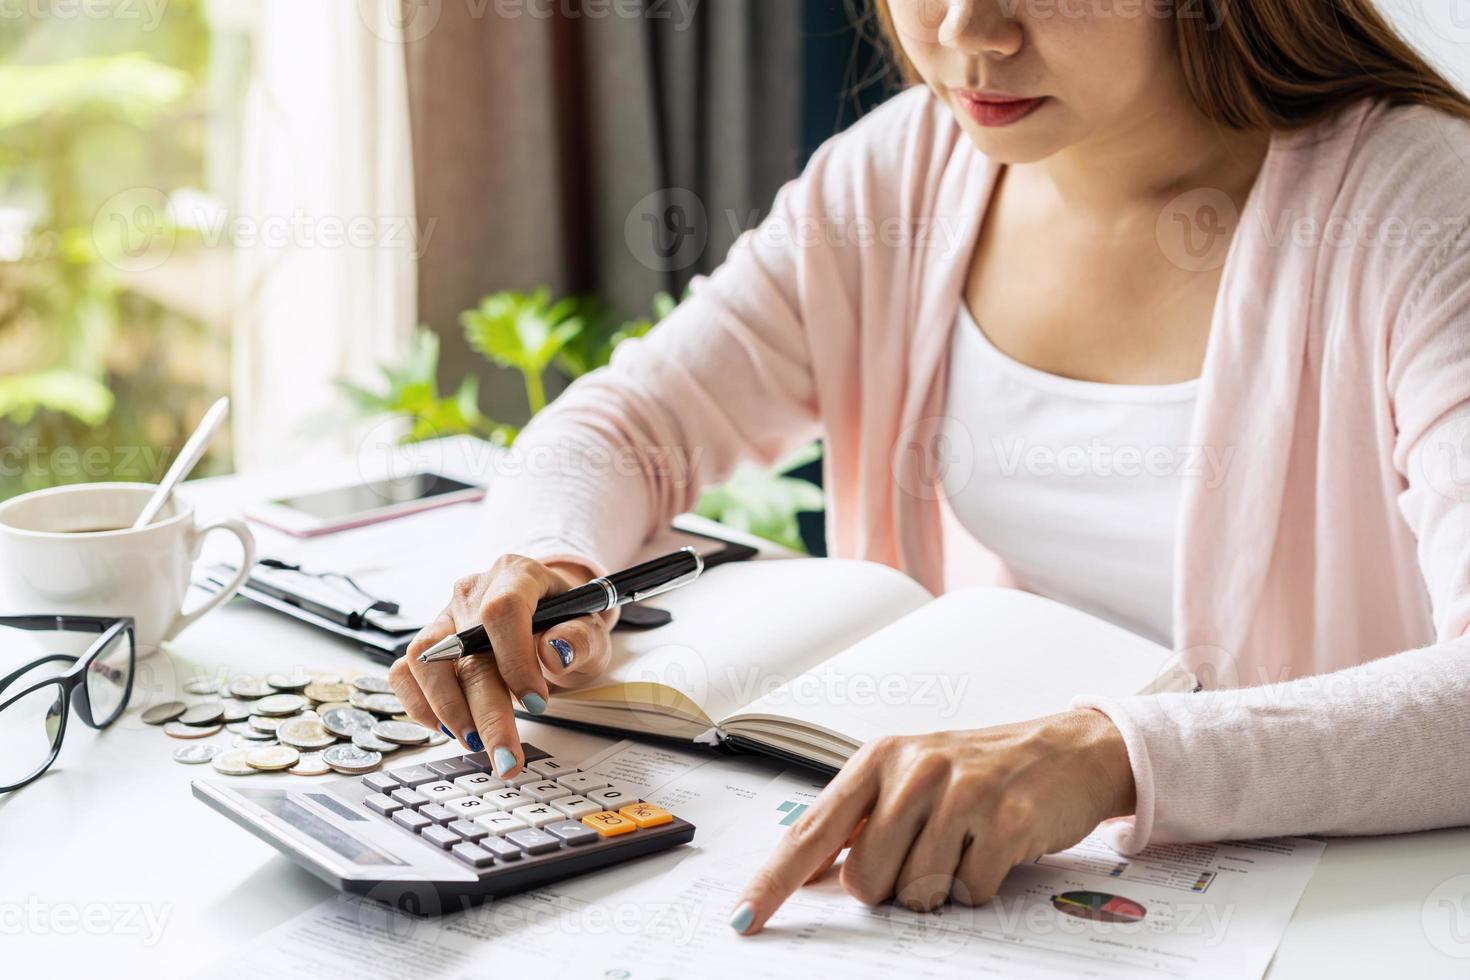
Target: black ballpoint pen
[630,585]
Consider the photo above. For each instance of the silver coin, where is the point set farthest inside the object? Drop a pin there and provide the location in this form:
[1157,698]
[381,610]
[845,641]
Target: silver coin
[280,705]
[402,732]
[252,733]
[178,729]
[351,760]
[437,737]
[248,742]
[369,742]
[305,733]
[166,712]
[271,758]
[202,685]
[232,763]
[248,686]
[326,706]
[265,723]
[372,684]
[235,709]
[378,704]
[293,681]
[347,722]
[311,764]
[197,754]
[208,713]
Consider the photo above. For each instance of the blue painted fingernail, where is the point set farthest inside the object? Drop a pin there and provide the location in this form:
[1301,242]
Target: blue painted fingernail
[504,761]
[534,702]
[563,651]
[742,918]
[446,731]
[473,740]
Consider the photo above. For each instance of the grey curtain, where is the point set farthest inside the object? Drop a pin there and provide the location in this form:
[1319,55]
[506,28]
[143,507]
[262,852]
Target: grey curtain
[575,146]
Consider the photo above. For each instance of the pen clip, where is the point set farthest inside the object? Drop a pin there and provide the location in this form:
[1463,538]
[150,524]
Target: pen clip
[669,586]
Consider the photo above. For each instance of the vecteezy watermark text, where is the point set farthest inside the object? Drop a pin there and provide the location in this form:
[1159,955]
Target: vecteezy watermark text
[34,917]
[148,12]
[1015,456]
[30,458]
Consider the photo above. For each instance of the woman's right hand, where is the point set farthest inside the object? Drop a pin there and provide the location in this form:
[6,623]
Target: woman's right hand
[470,699]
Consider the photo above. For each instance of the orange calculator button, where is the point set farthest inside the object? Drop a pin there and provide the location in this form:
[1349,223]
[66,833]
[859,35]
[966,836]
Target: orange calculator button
[646,814]
[609,824]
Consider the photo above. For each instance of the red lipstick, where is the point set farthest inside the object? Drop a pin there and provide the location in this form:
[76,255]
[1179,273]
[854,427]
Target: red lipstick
[997,108]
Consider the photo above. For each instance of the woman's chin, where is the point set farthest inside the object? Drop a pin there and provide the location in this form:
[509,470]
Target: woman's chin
[1016,144]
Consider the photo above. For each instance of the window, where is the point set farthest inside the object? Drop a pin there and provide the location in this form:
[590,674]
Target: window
[197,198]
[113,337]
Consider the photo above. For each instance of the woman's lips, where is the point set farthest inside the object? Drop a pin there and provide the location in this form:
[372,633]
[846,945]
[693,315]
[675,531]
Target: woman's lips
[998,110]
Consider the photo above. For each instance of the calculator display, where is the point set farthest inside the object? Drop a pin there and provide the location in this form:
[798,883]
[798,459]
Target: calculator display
[343,845]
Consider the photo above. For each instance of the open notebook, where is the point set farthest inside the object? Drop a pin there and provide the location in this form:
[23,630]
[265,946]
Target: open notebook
[809,658]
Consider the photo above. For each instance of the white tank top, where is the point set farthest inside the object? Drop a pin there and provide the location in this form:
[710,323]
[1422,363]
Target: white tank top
[1075,485]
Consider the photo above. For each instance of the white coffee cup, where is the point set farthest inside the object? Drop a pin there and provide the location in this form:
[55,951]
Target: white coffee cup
[72,550]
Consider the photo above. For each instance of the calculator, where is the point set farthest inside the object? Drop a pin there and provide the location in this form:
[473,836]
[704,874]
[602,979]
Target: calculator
[435,836]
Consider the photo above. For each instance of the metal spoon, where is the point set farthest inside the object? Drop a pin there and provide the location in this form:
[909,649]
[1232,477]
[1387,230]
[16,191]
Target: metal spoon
[186,460]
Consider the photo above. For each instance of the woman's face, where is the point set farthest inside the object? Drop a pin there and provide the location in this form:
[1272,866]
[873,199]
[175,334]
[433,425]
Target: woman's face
[1029,78]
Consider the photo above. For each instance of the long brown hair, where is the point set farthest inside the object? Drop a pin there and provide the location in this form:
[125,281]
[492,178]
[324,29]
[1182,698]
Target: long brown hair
[1283,64]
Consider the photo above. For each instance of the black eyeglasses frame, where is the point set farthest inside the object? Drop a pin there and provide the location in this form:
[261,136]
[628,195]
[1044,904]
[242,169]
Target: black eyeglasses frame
[73,682]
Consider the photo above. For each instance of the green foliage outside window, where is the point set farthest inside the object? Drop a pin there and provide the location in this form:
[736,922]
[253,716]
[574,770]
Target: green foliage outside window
[531,334]
[101,374]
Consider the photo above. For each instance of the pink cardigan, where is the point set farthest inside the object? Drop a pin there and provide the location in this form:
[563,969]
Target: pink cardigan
[1322,590]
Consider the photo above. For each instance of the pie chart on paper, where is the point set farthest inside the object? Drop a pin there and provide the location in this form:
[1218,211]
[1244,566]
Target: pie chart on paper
[1098,906]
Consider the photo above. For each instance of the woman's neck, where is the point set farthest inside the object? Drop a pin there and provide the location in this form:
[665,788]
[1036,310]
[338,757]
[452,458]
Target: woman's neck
[1151,161]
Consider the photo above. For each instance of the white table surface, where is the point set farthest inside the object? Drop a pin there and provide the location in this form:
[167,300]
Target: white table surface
[109,866]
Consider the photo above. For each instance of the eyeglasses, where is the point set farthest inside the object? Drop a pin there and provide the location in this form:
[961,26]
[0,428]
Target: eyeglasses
[35,701]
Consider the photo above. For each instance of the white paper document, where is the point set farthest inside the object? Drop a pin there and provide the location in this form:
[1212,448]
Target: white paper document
[1207,910]
[1186,911]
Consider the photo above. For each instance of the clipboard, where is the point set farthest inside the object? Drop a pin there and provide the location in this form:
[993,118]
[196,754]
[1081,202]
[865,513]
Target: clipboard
[332,601]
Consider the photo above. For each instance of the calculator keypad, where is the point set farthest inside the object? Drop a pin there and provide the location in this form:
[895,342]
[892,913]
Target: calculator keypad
[460,807]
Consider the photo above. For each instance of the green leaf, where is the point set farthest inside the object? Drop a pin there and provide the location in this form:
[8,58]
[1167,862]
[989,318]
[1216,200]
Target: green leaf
[764,502]
[799,457]
[411,391]
[130,87]
[663,305]
[593,347]
[68,392]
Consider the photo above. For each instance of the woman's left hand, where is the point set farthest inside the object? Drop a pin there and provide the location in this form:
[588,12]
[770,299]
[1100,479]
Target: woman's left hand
[934,817]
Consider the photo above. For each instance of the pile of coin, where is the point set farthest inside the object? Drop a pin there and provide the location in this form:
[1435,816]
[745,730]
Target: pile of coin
[299,721]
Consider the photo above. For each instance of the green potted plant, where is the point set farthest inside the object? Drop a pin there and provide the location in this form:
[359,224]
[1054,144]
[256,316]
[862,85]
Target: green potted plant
[531,334]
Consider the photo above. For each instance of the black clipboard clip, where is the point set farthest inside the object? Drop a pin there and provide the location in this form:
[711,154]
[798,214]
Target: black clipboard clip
[333,602]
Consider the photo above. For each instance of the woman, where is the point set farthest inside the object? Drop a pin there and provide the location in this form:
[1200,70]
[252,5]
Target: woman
[1228,237]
